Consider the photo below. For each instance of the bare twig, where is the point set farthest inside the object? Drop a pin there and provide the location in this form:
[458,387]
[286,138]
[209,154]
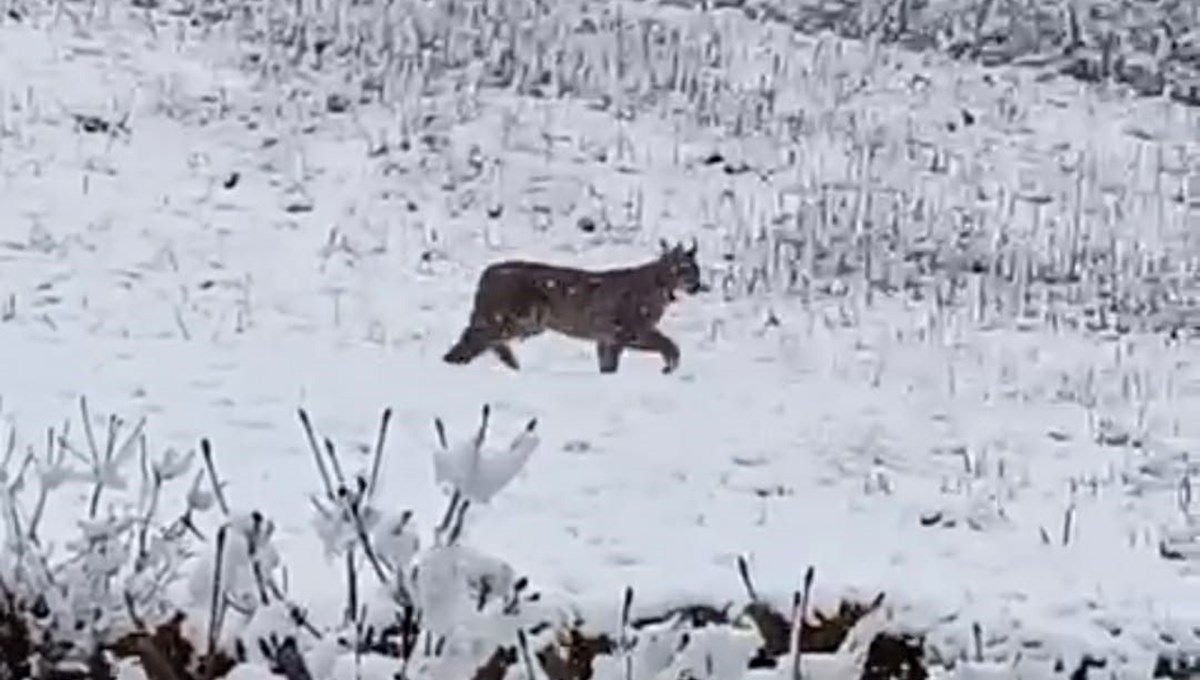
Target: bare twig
[440,428]
[213,478]
[216,605]
[310,434]
[377,460]
[334,465]
[747,582]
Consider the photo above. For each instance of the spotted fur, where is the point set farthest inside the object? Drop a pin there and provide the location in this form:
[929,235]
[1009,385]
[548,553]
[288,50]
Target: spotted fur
[617,309]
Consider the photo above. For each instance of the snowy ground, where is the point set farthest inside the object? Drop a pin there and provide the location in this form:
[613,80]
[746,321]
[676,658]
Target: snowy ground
[976,473]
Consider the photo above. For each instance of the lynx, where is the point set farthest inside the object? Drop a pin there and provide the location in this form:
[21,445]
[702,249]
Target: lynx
[618,309]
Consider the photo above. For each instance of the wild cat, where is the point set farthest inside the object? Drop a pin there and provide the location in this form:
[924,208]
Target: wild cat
[618,309]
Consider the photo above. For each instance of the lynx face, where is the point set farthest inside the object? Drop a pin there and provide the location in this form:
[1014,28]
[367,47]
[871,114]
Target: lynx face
[683,267]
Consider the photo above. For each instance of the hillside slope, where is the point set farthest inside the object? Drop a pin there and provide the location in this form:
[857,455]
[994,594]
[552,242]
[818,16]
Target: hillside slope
[915,373]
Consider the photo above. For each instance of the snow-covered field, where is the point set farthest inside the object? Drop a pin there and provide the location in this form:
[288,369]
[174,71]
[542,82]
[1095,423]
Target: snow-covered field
[982,447]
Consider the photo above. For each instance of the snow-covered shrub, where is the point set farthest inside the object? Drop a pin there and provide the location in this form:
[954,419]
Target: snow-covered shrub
[75,601]
[74,597]
[189,601]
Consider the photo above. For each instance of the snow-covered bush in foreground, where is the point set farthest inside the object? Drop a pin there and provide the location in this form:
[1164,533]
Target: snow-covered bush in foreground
[173,600]
[69,601]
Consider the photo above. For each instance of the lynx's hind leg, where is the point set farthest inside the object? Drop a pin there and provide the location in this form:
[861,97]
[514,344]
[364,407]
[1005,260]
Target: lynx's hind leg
[501,315]
[505,354]
[476,340]
[473,342]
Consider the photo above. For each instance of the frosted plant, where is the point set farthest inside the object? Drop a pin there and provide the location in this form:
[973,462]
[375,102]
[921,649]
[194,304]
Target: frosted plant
[652,651]
[675,649]
[715,653]
[347,520]
[469,603]
[341,519]
[478,475]
[452,579]
[114,575]
[455,583]
[465,603]
[396,539]
[248,559]
[111,577]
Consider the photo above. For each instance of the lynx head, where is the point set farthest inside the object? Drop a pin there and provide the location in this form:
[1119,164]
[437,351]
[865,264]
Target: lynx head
[683,271]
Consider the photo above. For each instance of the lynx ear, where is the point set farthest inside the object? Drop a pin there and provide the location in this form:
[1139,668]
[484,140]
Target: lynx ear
[666,247]
[691,251]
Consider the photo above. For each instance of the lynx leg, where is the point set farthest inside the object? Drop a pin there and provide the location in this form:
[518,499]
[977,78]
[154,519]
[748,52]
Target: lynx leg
[505,354]
[473,342]
[653,340]
[608,356]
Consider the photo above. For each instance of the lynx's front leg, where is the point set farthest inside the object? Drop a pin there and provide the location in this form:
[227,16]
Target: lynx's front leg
[608,356]
[653,340]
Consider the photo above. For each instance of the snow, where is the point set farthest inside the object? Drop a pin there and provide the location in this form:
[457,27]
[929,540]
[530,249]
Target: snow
[975,472]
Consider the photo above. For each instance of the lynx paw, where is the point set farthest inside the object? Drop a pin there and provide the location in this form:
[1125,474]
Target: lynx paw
[455,357]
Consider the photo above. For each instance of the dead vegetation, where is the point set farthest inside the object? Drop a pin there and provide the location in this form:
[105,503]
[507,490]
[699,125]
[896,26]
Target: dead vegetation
[574,650]
[16,649]
[165,653]
[1149,47]
[571,655]
[35,643]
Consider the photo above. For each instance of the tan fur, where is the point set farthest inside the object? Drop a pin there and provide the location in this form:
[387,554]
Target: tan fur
[615,308]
